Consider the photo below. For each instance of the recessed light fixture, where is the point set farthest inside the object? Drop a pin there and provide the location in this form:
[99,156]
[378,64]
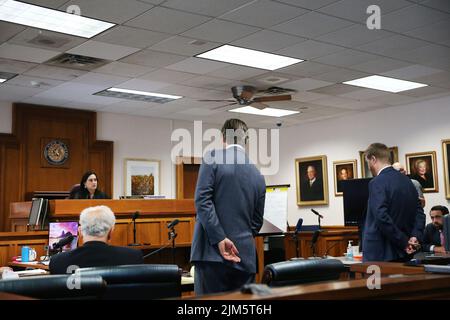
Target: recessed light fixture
[385,84]
[269,112]
[3,80]
[50,19]
[137,95]
[248,57]
[4,76]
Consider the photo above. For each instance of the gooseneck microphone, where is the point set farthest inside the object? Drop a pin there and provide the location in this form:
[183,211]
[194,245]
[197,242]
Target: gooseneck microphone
[135,215]
[317,214]
[173,223]
[68,238]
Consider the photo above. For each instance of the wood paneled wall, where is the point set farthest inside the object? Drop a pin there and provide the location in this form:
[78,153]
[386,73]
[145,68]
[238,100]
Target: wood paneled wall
[22,168]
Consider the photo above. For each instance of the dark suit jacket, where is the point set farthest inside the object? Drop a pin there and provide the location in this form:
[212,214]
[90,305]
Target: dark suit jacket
[94,254]
[82,194]
[313,192]
[394,214]
[431,237]
[229,200]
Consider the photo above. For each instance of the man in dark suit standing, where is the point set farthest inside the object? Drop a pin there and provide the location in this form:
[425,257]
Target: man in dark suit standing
[229,200]
[96,226]
[395,218]
[433,237]
[312,188]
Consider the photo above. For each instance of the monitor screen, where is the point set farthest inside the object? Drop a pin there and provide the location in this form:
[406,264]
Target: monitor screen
[35,212]
[59,230]
[356,194]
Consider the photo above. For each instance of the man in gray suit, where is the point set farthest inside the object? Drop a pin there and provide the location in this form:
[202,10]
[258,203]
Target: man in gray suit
[229,200]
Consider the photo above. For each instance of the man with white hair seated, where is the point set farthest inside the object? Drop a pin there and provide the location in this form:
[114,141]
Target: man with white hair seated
[96,227]
[399,167]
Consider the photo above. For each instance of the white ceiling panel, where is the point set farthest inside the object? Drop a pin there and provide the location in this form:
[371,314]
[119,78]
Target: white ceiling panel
[9,30]
[411,17]
[34,82]
[124,69]
[145,85]
[354,35]
[197,65]
[56,73]
[425,92]
[132,37]
[340,75]
[308,69]
[362,94]
[392,99]
[99,79]
[103,50]
[210,82]
[306,84]
[309,50]
[393,46]
[355,10]
[308,96]
[437,32]
[167,20]
[236,72]
[16,52]
[308,4]
[263,13]
[427,54]
[211,8]
[15,66]
[411,72]
[184,46]
[168,76]
[70,91]
[116,11]
[17,93]
[83,105]
[380,65]
[441,79]
[220,31]
[46,101]
[152,58]
[267,40]
[346,58]
[312,25]
[335,89]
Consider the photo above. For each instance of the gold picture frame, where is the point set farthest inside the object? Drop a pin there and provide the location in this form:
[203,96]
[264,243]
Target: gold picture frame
[350,173]
[365,172]
[142,177]
[315,192]
[427,161]
[445,154]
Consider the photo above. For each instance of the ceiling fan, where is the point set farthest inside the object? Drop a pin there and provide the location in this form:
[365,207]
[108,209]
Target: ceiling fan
[245,96]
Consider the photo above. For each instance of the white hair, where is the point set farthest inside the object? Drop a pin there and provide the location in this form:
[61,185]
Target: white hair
[96,221]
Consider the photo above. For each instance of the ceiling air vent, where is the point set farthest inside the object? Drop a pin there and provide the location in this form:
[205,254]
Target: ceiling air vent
[74,61]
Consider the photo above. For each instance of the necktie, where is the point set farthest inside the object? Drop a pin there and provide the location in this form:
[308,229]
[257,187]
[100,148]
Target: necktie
[442,238]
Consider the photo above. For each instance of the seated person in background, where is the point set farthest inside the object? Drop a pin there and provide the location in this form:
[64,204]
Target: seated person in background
[433,237]
[88,188]
[399,167]
[96,227]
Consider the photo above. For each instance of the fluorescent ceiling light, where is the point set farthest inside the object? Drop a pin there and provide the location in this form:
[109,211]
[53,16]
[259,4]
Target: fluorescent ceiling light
[137,95]
[145,93]
[3,80]
[248,57]
[269,112]
[385,84]
[49,19]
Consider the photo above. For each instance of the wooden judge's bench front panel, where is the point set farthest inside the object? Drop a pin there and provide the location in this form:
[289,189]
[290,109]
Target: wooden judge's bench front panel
[151,225]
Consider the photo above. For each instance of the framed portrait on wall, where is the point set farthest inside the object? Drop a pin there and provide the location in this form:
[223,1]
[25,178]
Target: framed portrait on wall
[142,177]
[421,166]
[446,153]
[343,170]
[312,180]
[365,171]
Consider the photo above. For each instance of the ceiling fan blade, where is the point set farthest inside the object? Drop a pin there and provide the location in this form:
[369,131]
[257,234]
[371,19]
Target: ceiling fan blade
[285,97]
[258,105]
[226,105]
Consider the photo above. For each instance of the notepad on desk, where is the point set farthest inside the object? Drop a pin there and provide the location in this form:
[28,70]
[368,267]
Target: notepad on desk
[32,272]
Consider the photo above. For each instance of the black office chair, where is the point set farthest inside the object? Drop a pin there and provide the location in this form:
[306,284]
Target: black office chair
[74,190]
[138,282]
[55,287]
[302,271]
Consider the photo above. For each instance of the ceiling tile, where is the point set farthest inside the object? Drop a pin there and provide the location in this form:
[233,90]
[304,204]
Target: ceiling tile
[210,82]
[340,75]
[311,25]
[412,72]
[70,91]
[437,32]
[267,40]
[54,4]
[145,85]
[441,79]
[197,65]
[131,37]
[15,66]
[16,52]
[335,89]
[346,58]
[362,94]
[55,72]
[263,13]
[309,50]
[184,46]
[117,11]
[168,76]
[425,92]
[392,99]
[220,31]
[355,10]
[152,58]
[392,46]
[354,35]
[124,69]
[211,8]
[306,84]
[307,96]
[167,20]
[307,69]
[17,93]
[380,65]
[411,17]
[9,30]
[236,72]
[100,79]
[442,5]
[103,50]
[34,82]
[431,55]
[308,4]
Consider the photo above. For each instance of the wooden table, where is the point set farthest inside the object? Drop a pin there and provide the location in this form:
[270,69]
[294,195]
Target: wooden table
[387,268]
[29,265]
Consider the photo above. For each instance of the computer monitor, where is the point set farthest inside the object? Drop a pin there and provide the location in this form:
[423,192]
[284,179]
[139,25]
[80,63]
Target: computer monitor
[59,230]
[35,212]
[356,195]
